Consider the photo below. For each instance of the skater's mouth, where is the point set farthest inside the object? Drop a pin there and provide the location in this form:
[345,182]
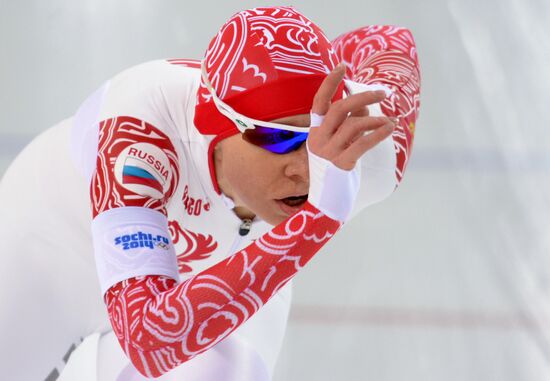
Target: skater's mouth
[292,204]
[295,200]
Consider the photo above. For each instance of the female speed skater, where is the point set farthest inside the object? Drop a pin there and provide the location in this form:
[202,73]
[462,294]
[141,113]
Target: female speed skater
[171,212]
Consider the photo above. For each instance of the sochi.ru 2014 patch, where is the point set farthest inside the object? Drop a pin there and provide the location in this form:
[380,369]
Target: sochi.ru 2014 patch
[141,239]
[143,169]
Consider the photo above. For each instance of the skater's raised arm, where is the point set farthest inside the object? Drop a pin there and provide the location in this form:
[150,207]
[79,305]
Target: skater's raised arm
[384,57]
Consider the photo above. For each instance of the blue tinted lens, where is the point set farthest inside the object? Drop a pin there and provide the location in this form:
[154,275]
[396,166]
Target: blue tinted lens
[274,140]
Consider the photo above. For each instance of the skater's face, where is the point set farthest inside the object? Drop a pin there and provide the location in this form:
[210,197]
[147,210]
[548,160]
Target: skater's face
[260,182]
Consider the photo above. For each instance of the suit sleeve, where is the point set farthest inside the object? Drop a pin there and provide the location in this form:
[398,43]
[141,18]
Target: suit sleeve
[161,324]
[386,55]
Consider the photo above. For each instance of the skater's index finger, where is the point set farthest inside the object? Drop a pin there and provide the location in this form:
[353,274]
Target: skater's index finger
[325,93]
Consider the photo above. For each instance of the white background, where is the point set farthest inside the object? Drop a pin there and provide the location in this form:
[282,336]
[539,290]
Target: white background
[448,279]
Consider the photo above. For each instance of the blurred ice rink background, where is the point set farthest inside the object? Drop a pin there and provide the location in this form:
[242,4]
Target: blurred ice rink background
[449,279]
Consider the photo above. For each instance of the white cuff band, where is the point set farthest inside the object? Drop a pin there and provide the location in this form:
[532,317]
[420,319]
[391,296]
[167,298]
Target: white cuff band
[130,242]
[315,119]
[331,190]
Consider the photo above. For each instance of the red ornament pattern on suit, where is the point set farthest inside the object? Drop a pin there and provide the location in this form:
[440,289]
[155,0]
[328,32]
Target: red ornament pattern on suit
[197,246]
[115,136]
[387,55]
[161,324]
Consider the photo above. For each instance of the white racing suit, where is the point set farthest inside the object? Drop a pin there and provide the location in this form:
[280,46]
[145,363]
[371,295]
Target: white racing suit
[52,297]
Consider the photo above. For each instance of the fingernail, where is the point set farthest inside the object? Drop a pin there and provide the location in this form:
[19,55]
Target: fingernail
[394,120]
[340,66]
[380,93]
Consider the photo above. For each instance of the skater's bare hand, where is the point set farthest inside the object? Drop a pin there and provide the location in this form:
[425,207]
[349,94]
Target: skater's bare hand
[347,130]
